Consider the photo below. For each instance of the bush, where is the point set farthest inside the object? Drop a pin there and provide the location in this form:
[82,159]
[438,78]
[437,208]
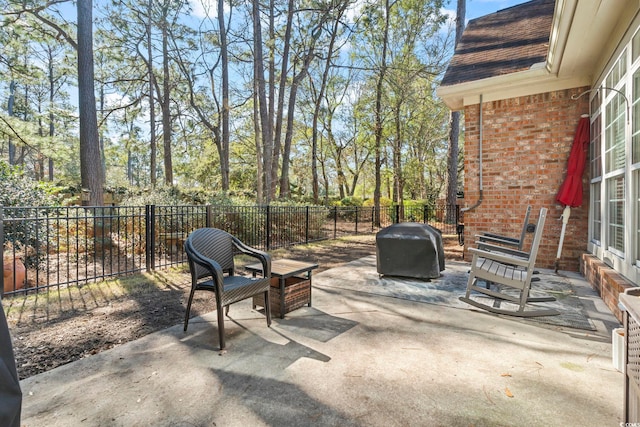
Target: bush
[21,194]
[351,201]
[19,190]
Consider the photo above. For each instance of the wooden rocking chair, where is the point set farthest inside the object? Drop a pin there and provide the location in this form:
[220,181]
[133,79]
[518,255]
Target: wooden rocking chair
[515,242]
[510,272]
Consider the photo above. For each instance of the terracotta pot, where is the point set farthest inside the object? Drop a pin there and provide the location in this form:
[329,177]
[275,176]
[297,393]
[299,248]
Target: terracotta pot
[13,269]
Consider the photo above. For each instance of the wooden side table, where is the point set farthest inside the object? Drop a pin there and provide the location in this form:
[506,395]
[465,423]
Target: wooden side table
[290,285]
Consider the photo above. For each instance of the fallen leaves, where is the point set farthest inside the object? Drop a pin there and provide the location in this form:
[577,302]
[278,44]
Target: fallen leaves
[507,392]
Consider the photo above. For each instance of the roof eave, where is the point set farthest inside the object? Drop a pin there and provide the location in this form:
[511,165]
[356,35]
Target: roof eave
[535,80]
[540,77]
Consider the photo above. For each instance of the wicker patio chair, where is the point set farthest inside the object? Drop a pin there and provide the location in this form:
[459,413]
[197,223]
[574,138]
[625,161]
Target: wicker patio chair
[513,275]
[210,253]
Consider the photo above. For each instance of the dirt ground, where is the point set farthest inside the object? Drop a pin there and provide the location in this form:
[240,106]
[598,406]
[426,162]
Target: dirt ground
[68,324]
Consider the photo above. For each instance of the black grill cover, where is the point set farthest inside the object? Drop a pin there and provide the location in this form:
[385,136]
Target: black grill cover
[410,249]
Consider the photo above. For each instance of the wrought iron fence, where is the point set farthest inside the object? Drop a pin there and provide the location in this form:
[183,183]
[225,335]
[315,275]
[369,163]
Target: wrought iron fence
[59,246]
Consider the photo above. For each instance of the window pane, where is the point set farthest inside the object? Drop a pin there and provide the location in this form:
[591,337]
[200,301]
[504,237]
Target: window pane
[595,148]
[615,196]
[635,47]
[637,199]
[614,133]
[596,218]
[635,148]
[618,70]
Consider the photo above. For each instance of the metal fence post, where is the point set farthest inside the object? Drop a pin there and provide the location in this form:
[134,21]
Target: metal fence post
[306,227]
[373,215]
[150,234]
[356,220]
[335,221]
[268,228]
[209,219]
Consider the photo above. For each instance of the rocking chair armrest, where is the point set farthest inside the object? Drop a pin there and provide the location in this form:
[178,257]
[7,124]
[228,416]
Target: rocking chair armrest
[503,240]
[499,257]
[513,252]
[264,257]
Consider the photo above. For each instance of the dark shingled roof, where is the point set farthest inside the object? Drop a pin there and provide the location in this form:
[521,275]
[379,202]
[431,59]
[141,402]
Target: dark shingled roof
[504,42]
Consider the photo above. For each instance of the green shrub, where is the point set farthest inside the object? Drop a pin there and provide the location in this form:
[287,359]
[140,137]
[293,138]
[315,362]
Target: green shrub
[21,195]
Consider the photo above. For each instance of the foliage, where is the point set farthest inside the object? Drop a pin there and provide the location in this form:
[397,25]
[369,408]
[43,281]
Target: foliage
[18,190]
[384,202]
[350,201]
[17,194]
[333,62]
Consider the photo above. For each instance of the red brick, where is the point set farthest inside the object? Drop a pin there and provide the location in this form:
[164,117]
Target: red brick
[526,143]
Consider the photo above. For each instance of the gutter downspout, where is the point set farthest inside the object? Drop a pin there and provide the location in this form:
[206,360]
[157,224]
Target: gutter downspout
[480,188]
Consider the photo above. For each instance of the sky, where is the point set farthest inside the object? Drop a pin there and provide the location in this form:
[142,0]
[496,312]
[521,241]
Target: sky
[477,8]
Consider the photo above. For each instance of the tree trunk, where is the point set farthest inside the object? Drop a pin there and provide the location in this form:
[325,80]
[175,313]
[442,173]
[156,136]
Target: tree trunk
[90,164]
[258,71]
[378,115]
[454,123]
[256,132]
[224,158]
[398,180]
[12,97]
[279,116]
[274,141]
[166,103]
[152,116]
[52,128]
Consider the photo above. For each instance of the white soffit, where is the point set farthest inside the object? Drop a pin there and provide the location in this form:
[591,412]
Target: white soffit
[595,28]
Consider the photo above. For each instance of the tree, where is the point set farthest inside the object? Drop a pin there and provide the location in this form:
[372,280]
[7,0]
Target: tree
[454,123]
[265,135]
[378,109]
[91,172]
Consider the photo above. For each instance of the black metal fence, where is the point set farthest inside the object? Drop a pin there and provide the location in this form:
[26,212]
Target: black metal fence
[57,246]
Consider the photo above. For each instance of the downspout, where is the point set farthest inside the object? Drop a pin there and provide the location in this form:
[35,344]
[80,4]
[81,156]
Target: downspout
[480,189]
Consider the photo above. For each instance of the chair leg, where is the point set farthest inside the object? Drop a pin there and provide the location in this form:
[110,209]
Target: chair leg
[186,316]
[267,307]
[221,328]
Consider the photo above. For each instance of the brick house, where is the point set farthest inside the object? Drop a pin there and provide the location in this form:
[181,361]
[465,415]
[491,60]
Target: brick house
[524,76]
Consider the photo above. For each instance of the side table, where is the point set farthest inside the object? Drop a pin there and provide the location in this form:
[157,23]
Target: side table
[290,285]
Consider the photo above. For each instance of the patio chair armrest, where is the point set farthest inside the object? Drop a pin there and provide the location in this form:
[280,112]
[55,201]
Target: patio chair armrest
[500,257]
[497,248]
[264,257]
[214,269]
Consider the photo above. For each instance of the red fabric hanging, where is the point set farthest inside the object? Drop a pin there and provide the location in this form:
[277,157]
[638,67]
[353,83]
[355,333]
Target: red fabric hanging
[570,193]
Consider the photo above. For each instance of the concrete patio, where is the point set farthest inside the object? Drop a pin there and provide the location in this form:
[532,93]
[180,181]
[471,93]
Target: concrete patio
[370,352]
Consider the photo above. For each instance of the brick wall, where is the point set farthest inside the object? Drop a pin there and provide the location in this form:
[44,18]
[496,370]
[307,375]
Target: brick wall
[606,281]
[526,143]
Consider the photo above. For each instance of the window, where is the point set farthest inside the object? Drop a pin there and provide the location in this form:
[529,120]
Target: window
[595,166]
[635,147]
[615,200]
[614,156]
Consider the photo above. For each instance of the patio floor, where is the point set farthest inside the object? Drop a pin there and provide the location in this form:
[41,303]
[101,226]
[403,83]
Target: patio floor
[370,352]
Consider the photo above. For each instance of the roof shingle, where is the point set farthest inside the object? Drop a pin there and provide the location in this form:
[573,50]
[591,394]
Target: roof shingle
[504,42]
